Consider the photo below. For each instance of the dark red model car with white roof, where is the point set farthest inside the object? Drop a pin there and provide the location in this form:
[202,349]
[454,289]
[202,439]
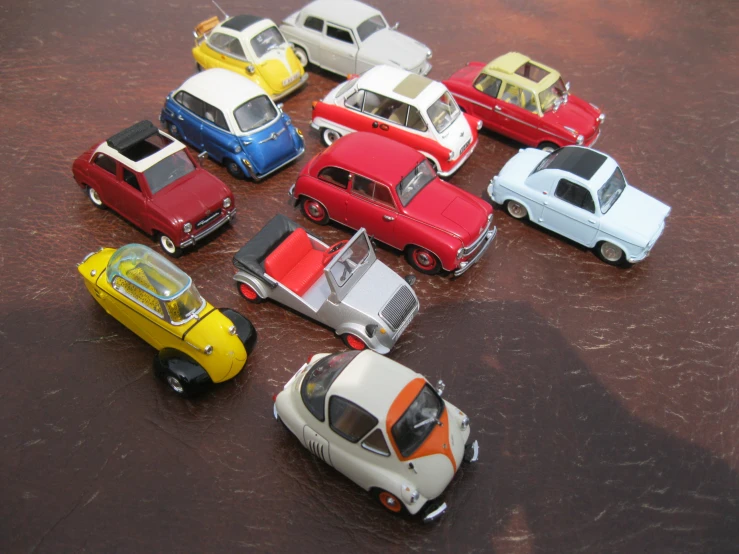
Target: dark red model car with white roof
[151,180]
[391,190]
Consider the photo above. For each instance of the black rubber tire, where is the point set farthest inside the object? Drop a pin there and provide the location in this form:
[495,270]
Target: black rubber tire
[423,260]
[247,295]
[302,55]
[233,169]
[608,253]
[94,197]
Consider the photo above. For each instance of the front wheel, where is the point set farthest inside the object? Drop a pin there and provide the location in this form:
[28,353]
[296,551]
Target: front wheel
[329,136]
[95,198]
[248,292]
[169,246]
[353,341]
[516,210]
[423,260]
[302,55]
[548,146]
[389,501]
[610,253]
[233,168]
[315,211]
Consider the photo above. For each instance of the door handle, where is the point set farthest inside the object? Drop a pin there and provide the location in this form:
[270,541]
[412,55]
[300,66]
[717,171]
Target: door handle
[375,125]
[180,118]
[591,221]
[388,218]
[497,109]
[546,203]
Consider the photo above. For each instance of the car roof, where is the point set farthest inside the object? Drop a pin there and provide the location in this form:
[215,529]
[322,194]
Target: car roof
[344,12]
[373,382]
[589,167]
[236,26]
[402,85]
[222,88]
[148,270]
[507,64]
[379,158]
[111,150]
[241,22]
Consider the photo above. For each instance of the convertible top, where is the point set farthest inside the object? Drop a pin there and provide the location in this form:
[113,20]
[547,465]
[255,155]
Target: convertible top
[251,256]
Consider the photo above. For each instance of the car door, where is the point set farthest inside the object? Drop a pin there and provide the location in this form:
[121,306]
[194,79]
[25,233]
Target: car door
[386,117]
[335,182]
[229,53]
[371,205]
[138,310]
[311,38]
[104,171]
[189,120]
[129,197]
[570,211]
[214,132]
[519,116]
[484,94]
[338,49]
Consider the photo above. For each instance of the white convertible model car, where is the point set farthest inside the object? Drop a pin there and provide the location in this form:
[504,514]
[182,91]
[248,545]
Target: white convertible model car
[582,194]
[380,424]
[344,36]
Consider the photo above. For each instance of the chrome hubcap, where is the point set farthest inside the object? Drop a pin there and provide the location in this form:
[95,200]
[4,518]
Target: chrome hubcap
[175,384]
[424,258]
[167,244]
[390,501]
[610,252]
[516,209]
[331,136]
[94,196]
[314,210]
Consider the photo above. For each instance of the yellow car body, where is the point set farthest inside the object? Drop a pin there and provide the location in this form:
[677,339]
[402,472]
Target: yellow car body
[252,47]
[157,301]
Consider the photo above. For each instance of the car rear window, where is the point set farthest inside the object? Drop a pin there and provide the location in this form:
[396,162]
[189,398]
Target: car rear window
[319,378]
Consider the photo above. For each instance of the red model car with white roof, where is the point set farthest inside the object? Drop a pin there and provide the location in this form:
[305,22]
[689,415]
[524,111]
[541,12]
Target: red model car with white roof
[405,107]
[392,191]
[151,180]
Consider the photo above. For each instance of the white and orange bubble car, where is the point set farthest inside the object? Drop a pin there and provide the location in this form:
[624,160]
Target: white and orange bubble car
[382,425]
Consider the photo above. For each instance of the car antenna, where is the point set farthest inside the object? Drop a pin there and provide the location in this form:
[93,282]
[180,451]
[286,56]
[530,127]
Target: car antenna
[221,9]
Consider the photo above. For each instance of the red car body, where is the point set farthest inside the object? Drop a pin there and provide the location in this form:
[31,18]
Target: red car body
[560,127]
[441,226]
[180,213]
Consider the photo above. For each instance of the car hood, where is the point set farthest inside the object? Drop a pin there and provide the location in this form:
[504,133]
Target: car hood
[393,48]
[575,114]
[635,216]
[464,76]
[450,209]
[372,291]
[520,166]
[189,198]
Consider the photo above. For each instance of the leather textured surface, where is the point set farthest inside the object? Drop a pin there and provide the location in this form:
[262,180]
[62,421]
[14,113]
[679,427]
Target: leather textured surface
[605,401]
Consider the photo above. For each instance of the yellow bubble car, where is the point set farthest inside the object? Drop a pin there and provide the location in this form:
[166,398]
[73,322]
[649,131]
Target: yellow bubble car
[197,344]
[251,46]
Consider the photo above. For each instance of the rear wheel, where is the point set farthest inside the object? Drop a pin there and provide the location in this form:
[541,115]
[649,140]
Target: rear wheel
[315,211]
[248,292]
[423,260]
[174,131]
[95,198]
[329,136]
[302,55]
[353,341]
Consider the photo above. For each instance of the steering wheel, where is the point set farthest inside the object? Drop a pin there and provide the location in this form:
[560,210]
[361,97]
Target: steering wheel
[332,250]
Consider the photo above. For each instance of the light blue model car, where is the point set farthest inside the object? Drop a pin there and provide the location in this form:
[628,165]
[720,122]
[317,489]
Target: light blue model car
[234,121]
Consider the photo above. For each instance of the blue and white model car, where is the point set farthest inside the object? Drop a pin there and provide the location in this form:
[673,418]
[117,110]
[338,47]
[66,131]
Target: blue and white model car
[234,121]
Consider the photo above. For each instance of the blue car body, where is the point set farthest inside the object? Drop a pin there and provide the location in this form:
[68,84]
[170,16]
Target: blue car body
[257,153]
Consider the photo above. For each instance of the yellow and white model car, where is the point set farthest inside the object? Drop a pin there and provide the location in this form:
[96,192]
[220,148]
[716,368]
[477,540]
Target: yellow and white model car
[251,46]
[382,425]
[197,344]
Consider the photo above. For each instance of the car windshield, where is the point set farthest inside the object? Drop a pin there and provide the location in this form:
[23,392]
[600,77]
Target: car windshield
[168,170]
[611,190]
[419,177]
[255,113]
[443,112]
[371,26]
[418,421]
[267,40]
[551,96]
[319,379]
[348,262]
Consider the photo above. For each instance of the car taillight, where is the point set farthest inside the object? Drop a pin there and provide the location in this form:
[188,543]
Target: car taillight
[315,103]
[274,398]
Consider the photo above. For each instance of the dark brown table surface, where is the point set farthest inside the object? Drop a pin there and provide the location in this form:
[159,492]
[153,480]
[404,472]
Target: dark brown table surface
[604,400]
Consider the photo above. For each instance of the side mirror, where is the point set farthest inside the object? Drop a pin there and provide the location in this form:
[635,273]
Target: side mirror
[440,386]
[567,86]
[279,106]
[202,157]
[395,26]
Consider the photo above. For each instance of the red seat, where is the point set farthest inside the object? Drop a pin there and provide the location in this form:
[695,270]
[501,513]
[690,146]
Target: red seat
[295,263]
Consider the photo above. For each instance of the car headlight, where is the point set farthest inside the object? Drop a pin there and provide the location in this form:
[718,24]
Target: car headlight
[479,124]
[580,139]
[602,117]
[187,227]
[415,495]
[226,202]
[237,148]
[300,133]
[428,54]
[460,252]
[465,423]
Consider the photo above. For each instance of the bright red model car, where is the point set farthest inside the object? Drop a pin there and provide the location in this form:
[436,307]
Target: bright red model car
[527,101]
[151,180]
[391,190]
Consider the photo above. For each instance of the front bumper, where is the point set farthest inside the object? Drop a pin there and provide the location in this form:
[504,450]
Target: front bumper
[192,239]
[460,161]
[253,175]
[433,511]
[464,266]
[292,89]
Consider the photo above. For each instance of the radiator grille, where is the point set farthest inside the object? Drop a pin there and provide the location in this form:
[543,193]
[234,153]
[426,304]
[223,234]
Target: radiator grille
[399,307]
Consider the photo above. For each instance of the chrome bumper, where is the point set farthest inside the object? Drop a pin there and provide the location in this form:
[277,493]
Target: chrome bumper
[435,514]
[464,266]
[460,162]
[195,238]
[292,89]
[290,192]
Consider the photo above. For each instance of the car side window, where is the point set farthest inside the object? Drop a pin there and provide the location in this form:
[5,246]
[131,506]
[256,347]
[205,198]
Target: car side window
[130,178]
[383,195]
[313,23]
[528,101]
[487,84]
[335,176]
[386,108]
[138,295]
[376,443]
[339,34]
[106,163]
[363,186]
[512,95]
[228,44]
[215,116]
[575,195]
[355,101]
[195,105]
[349,420]
[415,120]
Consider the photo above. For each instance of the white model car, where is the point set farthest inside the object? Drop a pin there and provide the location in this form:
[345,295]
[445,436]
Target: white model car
[347,37]
[380,424]
[583,195]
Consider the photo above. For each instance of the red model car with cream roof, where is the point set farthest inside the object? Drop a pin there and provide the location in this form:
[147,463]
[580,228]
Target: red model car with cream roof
[391,190]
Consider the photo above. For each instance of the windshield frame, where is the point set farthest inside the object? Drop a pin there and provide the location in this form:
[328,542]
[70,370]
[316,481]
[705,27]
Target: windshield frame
[341,290]
[416,174]
[261,123]
[558,91]
[618,189]
[407,448]
[257,48]
[151,174]
[453,116]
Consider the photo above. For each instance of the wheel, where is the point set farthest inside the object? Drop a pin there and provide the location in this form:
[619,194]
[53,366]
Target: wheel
[198,67]
[328,136]
[315,211]
[610,253]
[234,169]
[174,131]
[548,146]
[174,383]
[433,164]
[332,250]
[516,210]
[353,341]
[302,55]
[249,293]
[423,260]
[95,198]
[169,246]
[389,501]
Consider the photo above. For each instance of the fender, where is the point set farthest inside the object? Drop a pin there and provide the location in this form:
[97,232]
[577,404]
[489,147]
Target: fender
[244,328]
[261,288]
[307,52]
[521,200]
[361,332]
[437,165]
[628,248]
[190,372]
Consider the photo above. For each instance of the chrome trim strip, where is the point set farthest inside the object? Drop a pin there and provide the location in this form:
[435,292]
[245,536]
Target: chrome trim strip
[472,247]
[273,136]
[464,266]
[472,101]
[509,116]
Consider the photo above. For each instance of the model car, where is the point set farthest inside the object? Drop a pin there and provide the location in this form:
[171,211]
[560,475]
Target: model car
[382,425]
[583,195]
[151,180]
[251,46]
[392,191]
[527,101]
[234,121]
[347,37]
[343,286]
[197,344]
[405,107]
